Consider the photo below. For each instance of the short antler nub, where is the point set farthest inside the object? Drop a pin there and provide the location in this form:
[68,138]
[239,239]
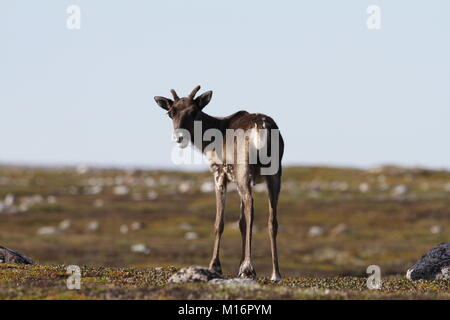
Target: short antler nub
[194,92]
[174,94]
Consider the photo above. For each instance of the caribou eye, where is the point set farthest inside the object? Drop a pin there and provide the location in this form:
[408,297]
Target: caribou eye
[171,113]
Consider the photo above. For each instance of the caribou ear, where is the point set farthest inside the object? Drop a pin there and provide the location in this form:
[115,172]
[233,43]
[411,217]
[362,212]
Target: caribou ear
[203,99]
[164,103]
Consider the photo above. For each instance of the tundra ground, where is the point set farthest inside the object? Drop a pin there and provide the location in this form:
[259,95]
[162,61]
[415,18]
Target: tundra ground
[119,225]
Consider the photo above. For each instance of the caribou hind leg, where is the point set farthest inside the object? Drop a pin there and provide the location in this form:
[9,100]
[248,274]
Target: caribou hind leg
[246,268]
[273,187]
[242,228]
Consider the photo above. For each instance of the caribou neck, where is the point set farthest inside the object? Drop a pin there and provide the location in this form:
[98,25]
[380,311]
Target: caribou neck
[208,122]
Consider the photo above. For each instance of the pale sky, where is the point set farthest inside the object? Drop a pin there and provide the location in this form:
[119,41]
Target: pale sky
[342,94]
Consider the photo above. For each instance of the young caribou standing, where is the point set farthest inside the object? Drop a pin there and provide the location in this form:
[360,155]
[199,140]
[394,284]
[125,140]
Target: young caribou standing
[185,112]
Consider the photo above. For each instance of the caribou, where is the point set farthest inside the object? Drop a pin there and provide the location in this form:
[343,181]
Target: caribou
[237,159]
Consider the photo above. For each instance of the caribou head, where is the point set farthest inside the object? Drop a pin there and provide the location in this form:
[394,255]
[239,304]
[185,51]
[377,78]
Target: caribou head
[184,111]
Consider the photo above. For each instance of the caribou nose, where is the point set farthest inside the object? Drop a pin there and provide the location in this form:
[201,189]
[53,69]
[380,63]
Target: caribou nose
[177,136]
[181,137]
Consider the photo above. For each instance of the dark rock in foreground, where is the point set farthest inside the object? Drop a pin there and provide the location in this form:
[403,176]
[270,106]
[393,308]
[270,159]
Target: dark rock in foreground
[434,265]
[10,256]
[194,274]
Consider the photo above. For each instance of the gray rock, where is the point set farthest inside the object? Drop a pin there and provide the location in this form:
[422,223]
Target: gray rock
[434,265]
[10,256]
[244,281]
[194,274]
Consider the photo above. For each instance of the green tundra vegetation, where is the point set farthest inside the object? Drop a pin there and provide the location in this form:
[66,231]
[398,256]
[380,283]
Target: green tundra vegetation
[129,230]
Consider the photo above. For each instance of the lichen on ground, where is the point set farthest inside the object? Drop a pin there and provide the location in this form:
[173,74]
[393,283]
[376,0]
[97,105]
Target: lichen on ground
[49,282]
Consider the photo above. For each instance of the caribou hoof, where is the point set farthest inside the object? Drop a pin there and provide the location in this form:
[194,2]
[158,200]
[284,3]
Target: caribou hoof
[215,265]
[246,270]
[275,277]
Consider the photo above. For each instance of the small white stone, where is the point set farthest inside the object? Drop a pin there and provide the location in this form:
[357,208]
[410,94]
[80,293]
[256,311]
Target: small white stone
[150,182]
[185,226]
[140,248]
[185,187]
[191,235]
[152,195]
[47,231]
[9,200]
[51,200]
[124,229]
[23,207]
[93,190]
[121,190]
[315,231]
[64,225]
[343,186]
[436,229]
[82,169]
[93,226]
[400,191]
[136,226]
[35,199]
[364,187]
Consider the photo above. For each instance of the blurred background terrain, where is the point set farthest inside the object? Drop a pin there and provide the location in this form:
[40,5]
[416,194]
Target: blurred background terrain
[333,221]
